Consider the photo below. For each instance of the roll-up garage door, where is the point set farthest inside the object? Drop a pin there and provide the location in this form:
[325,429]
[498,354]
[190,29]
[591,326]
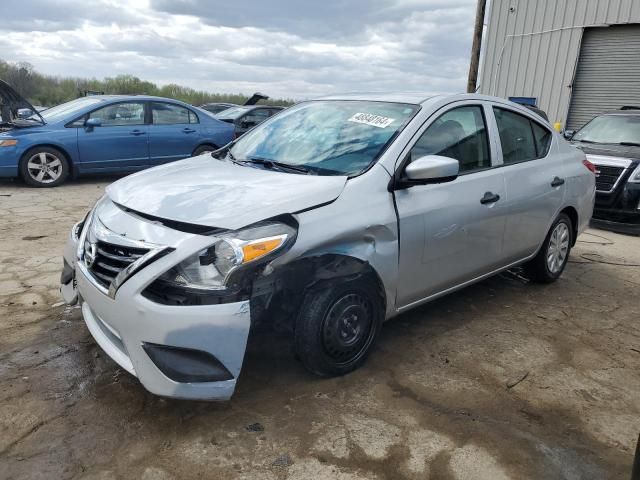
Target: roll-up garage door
[608,73]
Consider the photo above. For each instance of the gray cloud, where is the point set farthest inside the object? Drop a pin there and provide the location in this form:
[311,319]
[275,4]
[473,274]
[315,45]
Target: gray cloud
[276,47]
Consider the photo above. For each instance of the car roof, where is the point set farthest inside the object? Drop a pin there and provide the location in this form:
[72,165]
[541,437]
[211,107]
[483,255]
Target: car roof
[136,97]
[416,98]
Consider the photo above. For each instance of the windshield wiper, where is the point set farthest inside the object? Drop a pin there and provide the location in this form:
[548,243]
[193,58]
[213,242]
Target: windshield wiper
[629,144]
[277,165]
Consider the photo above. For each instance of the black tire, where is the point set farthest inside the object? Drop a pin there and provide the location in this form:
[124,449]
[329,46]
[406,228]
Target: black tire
[204,149]
[337,326]
[538,269]
[53,167]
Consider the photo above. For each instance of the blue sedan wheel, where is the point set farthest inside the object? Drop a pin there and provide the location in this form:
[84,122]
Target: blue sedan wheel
[44,167]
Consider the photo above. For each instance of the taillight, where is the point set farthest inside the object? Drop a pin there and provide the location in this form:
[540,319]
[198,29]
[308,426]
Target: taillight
[589,165]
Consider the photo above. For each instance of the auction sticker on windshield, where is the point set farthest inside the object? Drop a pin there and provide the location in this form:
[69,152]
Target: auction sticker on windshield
[371,119]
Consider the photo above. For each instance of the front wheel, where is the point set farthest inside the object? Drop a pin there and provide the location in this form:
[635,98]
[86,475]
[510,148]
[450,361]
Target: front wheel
[550,261]
[44,167]
[337,326]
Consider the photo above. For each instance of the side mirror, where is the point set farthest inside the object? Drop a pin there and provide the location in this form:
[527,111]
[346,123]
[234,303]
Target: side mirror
[568,134]
[431,169]
[92,122]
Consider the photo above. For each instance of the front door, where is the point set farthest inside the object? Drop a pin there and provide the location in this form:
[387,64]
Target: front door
[452,232]
[119,143]
[174,132]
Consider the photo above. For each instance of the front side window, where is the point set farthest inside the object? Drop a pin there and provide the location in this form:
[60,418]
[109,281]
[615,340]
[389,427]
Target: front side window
[521,138]
[459,133]
[120,114]
[329,137]
[170,114]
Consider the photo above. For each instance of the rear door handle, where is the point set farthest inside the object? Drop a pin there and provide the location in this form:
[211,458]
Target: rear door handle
[188,130]
[557,181]
[489,197]
[137,132]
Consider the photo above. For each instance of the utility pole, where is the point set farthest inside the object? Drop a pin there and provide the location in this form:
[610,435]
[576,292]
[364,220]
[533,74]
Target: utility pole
[475,47]
[635,472]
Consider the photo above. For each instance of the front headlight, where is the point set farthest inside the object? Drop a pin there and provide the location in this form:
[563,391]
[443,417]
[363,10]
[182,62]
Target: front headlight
[210,268]
[635,175]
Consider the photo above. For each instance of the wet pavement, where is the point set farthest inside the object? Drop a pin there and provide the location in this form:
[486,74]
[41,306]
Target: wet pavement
[501,380]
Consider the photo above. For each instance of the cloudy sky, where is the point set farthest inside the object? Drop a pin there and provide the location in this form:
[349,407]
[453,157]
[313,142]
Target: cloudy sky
[285,48]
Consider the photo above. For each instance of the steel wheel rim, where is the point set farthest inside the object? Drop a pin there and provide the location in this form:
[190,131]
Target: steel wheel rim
[44,167]
[558,248]
[347,328]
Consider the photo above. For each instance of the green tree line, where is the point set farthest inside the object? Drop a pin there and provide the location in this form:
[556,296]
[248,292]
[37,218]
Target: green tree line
[48,90]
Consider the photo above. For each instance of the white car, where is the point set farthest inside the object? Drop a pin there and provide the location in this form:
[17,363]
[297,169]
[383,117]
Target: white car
[326,220]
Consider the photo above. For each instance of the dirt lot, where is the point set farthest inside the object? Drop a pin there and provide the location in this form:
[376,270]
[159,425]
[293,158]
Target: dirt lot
[435,400]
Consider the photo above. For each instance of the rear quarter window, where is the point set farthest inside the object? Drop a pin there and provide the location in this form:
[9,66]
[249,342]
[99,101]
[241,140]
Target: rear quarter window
[521,138]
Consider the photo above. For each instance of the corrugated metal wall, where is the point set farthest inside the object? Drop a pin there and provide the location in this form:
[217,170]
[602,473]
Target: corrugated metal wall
[531,47]
[608,73]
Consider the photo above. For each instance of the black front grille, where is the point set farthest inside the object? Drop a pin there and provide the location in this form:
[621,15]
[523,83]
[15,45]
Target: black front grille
[607,177]
[111,259]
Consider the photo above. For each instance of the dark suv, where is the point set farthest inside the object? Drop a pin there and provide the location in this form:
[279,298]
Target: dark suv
[612,143]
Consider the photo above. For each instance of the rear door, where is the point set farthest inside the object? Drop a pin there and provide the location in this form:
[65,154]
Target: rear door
[120,142]
[174,132]
[452,232]
[534,181]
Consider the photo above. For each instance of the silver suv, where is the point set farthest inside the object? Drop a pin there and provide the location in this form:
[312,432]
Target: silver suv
[325,220]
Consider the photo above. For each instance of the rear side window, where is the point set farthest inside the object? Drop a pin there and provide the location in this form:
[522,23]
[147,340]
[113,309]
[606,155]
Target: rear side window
[170,114]
[459,133]
[521,138]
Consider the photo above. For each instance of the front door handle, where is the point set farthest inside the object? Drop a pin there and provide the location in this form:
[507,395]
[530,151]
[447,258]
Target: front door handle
[188,130]
[489,197]
[137,132]
[557,181]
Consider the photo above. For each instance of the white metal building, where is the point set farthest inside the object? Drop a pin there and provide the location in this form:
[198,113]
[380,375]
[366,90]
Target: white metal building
[572,58]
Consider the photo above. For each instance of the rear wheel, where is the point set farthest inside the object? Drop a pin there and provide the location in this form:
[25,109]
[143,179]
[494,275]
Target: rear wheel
[44,167]
[204,149]
[337,326]
[550,261]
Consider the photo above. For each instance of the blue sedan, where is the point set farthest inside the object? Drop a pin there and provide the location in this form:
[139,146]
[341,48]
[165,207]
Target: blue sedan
[105,134]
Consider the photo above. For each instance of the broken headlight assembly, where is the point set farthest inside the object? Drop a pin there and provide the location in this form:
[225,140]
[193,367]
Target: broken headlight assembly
[214,275]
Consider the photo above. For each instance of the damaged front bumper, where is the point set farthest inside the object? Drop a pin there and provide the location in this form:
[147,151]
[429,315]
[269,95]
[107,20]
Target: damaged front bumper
[190,352]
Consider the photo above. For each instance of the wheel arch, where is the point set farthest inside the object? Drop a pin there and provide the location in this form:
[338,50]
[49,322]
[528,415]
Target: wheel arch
[572,213]
[295,279]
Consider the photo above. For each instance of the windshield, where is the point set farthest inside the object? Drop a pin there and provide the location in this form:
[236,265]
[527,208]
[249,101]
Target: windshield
[60,112]
[622,128]
[231,113]
[326,137]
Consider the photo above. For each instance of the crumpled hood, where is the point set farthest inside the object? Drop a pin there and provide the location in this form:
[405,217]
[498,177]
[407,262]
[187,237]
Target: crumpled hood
[10,102]
[216,193]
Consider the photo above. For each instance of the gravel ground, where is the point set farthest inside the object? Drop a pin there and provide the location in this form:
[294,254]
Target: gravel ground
[501,380]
